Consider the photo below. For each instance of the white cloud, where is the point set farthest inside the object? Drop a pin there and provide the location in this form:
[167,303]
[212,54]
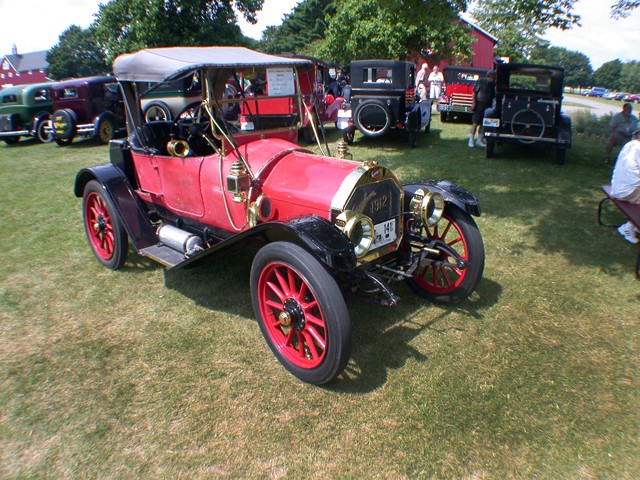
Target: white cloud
[600,37]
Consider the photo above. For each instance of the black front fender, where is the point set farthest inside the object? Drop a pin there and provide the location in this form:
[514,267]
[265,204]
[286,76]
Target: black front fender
[130,209]
[451,192]
[315,234]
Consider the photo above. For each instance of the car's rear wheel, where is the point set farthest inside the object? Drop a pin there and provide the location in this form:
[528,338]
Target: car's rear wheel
[561,155]
[490,147]
[107,237]
[442,281]
[301,312]
[372,118]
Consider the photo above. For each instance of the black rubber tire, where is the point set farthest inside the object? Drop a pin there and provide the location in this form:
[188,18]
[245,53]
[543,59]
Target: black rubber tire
[41,134]
[61,142]
[107,237]
[490,147]
[157,111]
[367,126]
[281,274]
[348,135]
[413,139]
[444,117]
[454,223]
[65,122]
[105,130]
[561,155]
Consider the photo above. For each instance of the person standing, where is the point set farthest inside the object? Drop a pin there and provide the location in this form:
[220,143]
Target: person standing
[625,182]
[422,74]
[620,128]
[436,80]
[484,92]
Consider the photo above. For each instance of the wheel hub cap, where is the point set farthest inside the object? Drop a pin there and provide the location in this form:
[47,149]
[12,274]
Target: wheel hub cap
[292,315]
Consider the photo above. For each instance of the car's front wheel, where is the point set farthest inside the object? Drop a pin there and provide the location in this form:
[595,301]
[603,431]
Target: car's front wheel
[439,278]
[301,312]
[348,135]
[107,237]
[42,134]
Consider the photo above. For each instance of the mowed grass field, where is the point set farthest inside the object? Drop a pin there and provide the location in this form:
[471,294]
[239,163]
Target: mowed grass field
[146,373]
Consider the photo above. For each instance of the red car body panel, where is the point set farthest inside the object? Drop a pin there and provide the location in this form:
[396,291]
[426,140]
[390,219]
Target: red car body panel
[289,176]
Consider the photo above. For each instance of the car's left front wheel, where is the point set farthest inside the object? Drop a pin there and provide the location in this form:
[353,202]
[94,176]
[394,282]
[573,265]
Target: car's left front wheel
[301,312]
[107,237]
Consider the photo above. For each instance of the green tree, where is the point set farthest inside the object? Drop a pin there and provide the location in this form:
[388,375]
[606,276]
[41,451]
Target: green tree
[630,77]
[76,54]
[623,8]
[578,70]
[379,29]
[129,25]
[608,75]
[520,24]
[301,30]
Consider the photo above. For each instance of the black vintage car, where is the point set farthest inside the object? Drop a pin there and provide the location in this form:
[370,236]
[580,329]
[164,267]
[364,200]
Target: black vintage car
[528,109]
[382,96]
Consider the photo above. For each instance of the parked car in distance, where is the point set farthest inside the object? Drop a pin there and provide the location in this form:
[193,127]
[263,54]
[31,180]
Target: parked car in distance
[620,96]
[87,107]
[318,106]
[596,92]
[456,99]
[528,109]
[634,98]
[163,102]
[382,97]
[25,111]
[222,180]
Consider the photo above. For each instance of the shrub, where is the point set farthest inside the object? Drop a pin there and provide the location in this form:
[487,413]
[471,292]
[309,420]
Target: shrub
[587,124]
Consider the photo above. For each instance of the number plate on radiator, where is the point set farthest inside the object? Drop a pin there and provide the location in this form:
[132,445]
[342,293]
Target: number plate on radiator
[385,233]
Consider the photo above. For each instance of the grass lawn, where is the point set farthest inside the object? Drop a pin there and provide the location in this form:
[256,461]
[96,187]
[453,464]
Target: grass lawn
[146,373]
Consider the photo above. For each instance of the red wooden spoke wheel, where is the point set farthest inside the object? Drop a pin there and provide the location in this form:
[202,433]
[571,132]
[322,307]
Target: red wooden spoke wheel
[106,236]
[301,312]
[449,283]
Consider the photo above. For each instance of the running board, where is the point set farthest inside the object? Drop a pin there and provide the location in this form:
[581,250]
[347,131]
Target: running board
[163,255]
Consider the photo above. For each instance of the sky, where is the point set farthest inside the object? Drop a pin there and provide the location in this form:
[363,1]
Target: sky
[34,25]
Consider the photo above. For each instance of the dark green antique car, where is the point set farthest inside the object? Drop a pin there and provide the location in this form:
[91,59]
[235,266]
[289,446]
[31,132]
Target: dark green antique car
[25,111]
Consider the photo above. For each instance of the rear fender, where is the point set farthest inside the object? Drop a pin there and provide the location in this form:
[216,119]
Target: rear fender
[129,208]
[451,192]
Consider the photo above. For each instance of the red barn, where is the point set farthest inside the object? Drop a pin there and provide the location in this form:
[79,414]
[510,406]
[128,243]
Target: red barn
[22,69]
[482,56]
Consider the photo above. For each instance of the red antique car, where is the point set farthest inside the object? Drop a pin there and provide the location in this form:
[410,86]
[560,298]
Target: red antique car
[456,99]
[87,107]
[227,174]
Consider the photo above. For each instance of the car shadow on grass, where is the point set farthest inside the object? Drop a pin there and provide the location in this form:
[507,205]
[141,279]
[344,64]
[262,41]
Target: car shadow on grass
[381,336]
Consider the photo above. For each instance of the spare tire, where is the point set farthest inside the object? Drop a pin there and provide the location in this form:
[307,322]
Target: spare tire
[64,124]
[373,118]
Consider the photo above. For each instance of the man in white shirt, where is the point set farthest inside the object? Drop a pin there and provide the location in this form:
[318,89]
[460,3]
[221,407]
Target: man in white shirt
[436,79]
[625,182]
[422,74]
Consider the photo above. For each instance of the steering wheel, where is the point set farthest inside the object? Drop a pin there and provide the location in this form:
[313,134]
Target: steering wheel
[195,123]
[195,118]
